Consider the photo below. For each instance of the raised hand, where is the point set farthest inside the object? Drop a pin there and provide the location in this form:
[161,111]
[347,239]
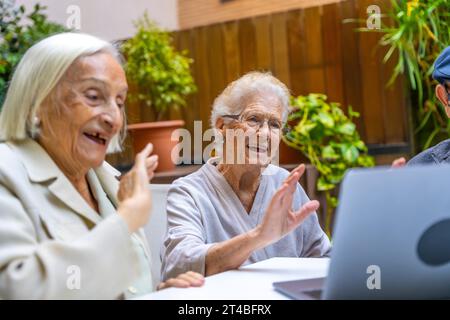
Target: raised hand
[134,196]
[280,219]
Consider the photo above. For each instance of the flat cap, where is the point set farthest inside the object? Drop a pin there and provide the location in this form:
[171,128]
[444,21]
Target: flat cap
[441,71]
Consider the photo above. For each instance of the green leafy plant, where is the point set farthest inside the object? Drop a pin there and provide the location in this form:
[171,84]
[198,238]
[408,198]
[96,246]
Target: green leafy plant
[329,139]
[18,32]
[417,31]
[162,75]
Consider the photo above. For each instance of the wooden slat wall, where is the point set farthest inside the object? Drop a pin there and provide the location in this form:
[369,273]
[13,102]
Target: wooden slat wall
[195,13]
[310,50]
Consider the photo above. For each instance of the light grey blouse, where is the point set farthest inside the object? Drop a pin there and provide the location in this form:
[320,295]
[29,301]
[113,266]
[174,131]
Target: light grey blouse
[203,209]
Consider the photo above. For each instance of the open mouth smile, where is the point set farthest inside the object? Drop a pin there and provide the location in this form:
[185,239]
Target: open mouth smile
[96,137]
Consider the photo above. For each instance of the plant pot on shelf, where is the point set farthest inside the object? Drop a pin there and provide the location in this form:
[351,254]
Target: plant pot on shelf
[159,134]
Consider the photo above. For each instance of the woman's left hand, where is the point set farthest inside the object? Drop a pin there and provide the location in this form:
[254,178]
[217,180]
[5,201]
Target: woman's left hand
[184,280]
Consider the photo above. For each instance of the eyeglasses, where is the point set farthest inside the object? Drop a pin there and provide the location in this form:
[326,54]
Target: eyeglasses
[256,121]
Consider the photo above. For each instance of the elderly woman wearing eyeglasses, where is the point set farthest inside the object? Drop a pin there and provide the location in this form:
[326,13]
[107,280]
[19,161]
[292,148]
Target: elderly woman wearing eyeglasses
[68,229]
[239,208]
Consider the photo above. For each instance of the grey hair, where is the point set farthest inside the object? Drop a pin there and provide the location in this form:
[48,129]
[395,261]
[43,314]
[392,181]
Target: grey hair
[38,73]
[252,83]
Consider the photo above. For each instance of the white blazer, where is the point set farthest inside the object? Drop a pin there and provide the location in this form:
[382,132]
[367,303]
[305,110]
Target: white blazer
[53,245]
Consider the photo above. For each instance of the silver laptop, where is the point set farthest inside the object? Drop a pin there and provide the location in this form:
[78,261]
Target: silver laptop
[391,239]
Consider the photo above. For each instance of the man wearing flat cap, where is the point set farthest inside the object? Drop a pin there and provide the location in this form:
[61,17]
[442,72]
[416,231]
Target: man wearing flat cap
[440,153]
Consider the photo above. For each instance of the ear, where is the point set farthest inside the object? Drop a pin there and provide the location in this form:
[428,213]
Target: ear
[441,94]
[39,113]
[220,124]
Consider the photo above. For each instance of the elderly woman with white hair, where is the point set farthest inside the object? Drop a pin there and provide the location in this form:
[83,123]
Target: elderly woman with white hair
[68,230]
[239,208]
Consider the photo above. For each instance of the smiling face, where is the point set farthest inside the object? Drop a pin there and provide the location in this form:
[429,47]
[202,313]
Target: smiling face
[260,122]
[84,112]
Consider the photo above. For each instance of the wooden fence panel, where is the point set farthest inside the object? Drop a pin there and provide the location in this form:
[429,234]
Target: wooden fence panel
[310,50]
[332,38]
[296,34]
[280,50]
[231,50]
[263,43]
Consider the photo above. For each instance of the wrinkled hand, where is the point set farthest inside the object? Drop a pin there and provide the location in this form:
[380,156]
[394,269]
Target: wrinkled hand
[151,163]
[280,219]
[134,196]
[185,280]
[398,163]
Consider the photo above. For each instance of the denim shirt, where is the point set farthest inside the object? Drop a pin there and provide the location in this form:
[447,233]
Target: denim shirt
[439,154]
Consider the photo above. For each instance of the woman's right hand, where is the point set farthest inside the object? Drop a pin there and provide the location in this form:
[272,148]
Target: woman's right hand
[135,201]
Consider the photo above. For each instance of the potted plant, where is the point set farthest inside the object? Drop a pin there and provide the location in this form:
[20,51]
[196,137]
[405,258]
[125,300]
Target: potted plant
[328,138]
[18,32]
[160,79]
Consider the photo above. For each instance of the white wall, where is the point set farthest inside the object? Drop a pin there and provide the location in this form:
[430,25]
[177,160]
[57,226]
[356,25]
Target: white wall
[110,19]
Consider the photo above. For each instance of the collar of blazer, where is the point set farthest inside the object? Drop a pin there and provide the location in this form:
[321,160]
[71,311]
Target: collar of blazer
[41,168]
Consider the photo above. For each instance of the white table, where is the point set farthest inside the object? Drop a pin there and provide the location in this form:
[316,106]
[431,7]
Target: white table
[253,282]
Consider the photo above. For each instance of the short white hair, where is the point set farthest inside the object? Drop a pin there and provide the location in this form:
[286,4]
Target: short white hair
[251,84]
[38,73]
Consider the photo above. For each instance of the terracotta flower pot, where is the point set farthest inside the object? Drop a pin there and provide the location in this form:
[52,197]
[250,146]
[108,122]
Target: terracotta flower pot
[159,134]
